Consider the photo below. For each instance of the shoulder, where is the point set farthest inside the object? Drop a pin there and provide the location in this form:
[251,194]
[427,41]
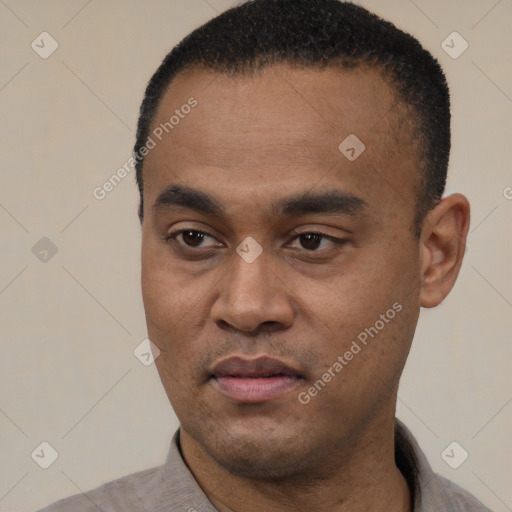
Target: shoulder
[121,495]
[448,494]
[168,487]
[432,492]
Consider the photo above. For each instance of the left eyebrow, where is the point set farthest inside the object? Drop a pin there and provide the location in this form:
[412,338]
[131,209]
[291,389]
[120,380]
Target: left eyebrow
[334,202]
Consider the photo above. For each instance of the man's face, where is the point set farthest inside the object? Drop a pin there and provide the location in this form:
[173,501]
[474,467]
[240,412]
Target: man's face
[244,336]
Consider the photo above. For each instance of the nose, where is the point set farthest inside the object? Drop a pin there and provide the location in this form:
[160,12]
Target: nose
[253,297]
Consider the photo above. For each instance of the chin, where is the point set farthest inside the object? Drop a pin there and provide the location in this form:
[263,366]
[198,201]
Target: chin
[260,461]
[257,451]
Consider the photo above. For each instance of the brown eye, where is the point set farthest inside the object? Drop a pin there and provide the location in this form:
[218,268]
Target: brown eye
[311,241]
[193,238]
[316,242]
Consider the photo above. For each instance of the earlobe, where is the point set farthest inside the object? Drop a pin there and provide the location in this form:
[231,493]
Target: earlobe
[442,244]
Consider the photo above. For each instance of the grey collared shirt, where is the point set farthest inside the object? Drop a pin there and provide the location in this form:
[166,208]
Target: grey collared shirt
[172,487]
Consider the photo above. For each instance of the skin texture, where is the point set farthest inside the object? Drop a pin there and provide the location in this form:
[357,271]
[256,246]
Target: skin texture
[250,142]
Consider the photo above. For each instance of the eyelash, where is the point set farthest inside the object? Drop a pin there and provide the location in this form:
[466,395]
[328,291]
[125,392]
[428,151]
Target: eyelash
[173,235]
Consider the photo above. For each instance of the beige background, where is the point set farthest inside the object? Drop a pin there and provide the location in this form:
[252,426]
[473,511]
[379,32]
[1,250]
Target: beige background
[70,324]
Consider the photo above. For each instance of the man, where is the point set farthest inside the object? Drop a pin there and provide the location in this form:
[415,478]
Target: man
[291,158]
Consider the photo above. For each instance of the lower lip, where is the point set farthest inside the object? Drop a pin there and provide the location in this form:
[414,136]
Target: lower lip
[255,390]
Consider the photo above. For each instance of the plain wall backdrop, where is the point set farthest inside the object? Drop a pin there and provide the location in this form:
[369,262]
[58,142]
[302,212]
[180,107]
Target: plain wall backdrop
[71,319]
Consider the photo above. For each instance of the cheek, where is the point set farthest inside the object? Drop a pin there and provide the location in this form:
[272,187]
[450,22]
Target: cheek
[372,302]
[175,316]
[177,308]
[360,356]
[171,299]
[172,317]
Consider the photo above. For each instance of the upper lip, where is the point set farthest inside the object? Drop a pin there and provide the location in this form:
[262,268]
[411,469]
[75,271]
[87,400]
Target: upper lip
[252,368]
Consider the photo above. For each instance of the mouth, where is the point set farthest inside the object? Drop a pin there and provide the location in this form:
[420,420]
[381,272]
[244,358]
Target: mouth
[254,381]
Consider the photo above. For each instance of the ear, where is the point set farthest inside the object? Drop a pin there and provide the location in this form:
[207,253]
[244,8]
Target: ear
[442,245]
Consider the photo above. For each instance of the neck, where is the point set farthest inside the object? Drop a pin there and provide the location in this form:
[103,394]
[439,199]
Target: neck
[363,478]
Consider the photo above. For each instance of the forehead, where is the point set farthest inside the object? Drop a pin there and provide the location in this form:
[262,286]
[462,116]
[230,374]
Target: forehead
[283,123]
[306,102]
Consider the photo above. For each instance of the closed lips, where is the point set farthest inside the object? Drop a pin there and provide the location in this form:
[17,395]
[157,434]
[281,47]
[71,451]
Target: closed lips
[263,367]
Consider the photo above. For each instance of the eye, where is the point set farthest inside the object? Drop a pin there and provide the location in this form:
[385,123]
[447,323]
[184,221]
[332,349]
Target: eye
[193,238]
[315,241]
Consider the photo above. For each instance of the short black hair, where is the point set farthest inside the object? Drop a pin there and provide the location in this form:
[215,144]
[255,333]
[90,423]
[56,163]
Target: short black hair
[318,33]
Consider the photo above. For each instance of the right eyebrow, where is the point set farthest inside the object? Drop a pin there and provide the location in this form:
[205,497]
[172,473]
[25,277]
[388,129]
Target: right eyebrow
[187,197]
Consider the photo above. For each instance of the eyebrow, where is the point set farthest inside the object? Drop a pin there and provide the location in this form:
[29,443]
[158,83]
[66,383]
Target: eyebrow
[332,202]
[186,197]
